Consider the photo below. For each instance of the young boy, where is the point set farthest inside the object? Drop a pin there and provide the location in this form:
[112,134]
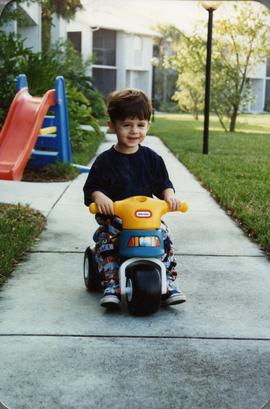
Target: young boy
[128,169]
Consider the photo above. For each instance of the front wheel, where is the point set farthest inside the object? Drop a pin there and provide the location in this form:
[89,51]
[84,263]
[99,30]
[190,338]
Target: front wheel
[143,290]
[90,271]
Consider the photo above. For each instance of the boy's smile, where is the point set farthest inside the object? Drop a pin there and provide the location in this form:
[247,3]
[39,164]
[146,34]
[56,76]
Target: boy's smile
[130,133]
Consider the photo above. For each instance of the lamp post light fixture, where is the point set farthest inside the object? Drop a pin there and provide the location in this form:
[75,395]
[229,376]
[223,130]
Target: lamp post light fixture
[154,62]
[210,6]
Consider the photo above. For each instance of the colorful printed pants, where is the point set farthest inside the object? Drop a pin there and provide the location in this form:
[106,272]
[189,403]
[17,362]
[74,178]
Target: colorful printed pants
[106,238]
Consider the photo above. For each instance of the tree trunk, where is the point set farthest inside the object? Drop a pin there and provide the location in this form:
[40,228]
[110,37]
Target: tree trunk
[164,86]
[233,119]
[220,118]
[46,32]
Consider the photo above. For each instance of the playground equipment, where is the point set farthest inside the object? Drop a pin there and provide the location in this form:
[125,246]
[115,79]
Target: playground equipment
[31,136]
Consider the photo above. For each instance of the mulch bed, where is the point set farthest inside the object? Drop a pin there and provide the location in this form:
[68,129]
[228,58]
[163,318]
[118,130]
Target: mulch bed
[42,175]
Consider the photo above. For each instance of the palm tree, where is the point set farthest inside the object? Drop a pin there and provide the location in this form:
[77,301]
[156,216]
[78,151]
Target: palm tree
[62,8]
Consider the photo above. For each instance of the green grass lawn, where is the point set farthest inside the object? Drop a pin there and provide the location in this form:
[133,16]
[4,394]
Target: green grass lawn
[85,154]
[19,227]
[237,169]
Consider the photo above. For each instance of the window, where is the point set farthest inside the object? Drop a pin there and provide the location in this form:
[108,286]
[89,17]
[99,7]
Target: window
[268,67]
[105,79]
[76,38]
[267,96]
[104,67]
[104,47]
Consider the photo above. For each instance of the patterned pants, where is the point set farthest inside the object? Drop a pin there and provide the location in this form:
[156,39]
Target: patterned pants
[106,239]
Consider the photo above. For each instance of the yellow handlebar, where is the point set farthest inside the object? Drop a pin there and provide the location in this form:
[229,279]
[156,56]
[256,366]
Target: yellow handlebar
[93,208]
[183,207]
[140,212]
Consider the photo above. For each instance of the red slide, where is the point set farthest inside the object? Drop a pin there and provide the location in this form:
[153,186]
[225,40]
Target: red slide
[20,131]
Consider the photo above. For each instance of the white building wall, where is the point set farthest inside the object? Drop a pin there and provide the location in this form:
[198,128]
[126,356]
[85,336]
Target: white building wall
[10,27]
[257,76]
[259,71]
[121,46]
[87,37]
[258,89]
[58,30]
[32,32]
[32,37]
[134,62]
[33,9]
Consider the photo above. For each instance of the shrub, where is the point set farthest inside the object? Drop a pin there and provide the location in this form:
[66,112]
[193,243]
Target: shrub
[80,112]
[41,70]
[12,53]
[73,68]
[19,226]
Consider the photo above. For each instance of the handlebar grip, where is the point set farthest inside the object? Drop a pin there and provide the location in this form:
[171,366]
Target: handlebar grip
[183,207]
[93,208]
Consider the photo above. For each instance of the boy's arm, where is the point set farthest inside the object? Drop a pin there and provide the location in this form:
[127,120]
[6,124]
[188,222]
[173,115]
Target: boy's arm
[171,199]
[104,203]
[97,179]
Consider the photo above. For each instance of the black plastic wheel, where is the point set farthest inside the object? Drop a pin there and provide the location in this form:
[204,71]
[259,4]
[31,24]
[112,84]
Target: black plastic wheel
[90,271]
[144,290]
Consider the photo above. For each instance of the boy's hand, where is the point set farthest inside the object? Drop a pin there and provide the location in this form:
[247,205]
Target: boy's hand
[171,199]
[104,203]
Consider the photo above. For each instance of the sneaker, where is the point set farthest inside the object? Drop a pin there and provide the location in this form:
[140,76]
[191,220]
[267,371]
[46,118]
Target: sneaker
[174,295]
[111,297]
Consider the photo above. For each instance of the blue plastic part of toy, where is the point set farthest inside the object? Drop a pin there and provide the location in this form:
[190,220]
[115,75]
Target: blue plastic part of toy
[127,252]
[55,147]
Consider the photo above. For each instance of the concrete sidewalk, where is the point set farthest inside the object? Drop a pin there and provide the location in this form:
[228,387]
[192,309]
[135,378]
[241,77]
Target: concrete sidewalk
[60,349]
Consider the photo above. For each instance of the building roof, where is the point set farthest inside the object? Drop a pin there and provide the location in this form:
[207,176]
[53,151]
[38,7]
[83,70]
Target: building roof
[116,15]
[141,16]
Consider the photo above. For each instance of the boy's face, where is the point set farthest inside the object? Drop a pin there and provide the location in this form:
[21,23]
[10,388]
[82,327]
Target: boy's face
[130,133]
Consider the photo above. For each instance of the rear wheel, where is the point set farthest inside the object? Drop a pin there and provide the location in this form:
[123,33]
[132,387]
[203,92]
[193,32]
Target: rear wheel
[90,271]
[143,290]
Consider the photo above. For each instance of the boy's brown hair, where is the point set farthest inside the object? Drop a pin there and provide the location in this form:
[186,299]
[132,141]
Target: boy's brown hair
[129,103]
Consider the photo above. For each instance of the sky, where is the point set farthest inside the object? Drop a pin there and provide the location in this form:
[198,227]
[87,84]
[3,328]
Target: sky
[144,14]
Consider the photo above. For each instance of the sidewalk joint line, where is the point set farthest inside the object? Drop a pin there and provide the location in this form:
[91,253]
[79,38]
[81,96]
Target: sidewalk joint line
[221,255]
[59,198]
[135,337]
[176,254]
[56,251]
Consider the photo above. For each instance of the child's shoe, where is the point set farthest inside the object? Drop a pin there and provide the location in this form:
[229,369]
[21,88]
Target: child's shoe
[111,298]
[174,295]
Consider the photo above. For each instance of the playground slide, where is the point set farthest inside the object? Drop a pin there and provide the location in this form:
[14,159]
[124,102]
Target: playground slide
[20,131]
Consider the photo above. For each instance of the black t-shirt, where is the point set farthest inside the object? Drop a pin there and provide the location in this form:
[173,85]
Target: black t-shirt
[120,175]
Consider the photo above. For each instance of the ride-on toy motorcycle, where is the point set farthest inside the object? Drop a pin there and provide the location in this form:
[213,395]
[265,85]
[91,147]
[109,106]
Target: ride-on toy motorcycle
[142,274]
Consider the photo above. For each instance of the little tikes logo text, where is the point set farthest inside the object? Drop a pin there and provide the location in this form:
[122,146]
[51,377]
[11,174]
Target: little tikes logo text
[143,214]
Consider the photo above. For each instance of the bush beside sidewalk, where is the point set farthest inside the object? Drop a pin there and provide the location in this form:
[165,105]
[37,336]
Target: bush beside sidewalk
[20,226]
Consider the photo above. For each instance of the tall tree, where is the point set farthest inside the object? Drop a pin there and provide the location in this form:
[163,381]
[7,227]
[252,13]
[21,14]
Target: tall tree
[62,8]
[165,78]
[241,42]
[188,61]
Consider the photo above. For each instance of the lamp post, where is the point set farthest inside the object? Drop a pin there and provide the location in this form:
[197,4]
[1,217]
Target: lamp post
[154,62]
[210,6]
